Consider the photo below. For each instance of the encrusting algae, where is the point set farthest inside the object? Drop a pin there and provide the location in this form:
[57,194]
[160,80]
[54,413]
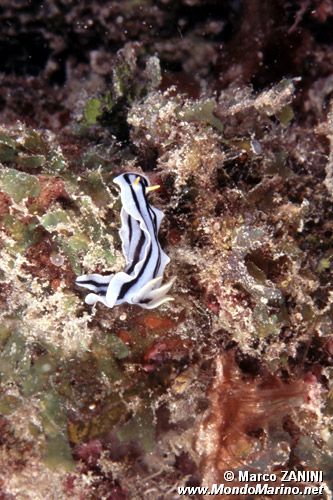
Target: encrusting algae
[235,372]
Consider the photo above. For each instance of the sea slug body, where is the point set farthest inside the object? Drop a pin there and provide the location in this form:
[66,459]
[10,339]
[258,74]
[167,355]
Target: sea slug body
[140,282]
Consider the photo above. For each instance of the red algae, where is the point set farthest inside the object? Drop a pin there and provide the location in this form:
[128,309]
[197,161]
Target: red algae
[170,348]
[52,189]
[154,321]
[5,202]
[241,411]
[125,336]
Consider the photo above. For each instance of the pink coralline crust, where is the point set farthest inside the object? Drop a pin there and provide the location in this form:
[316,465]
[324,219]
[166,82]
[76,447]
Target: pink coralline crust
[170,348]
[52,189]
[5,202]
[39,264]
[89,452]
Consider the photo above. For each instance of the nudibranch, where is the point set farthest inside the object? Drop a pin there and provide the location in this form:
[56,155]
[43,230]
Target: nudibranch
[141,281]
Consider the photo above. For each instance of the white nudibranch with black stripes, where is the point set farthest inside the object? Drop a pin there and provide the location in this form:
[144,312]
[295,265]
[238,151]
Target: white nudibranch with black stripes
[140,282]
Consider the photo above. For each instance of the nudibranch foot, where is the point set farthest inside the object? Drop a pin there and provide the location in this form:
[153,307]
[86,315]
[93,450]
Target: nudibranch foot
[150,296]
[92,298]
[150,292]
[156,303]
[140,282]
[94,282]
[148,287]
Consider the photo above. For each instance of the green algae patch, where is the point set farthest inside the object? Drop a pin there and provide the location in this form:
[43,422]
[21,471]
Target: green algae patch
[70,301]
[23,235]
[74,247]
[104,253]
[52,219]
[106,364]
[38,378]
[87,236]
[95,156]
[93,182]
[108,367]
[140,429]
[95,108]
[108,417]
[19,185]
[78,232]
[56,162]
[5,332]
[266,324]
[8,404]
[34,142]
[92,110]
[30,162]
[7,153]
[29,149]
[202,111]
[118,348]
[324,264]
[14,359]
[7,140]
[78,243]
[57,452]
[286,115]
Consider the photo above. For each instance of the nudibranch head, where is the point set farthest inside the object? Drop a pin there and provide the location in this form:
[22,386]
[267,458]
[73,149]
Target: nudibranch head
[133,182]
[141,281]
[130,179]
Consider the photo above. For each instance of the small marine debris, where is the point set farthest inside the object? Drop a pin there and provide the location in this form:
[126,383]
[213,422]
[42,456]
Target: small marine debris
[57,259]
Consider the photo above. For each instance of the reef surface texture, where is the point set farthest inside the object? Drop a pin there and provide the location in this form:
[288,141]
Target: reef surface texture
[228,106]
